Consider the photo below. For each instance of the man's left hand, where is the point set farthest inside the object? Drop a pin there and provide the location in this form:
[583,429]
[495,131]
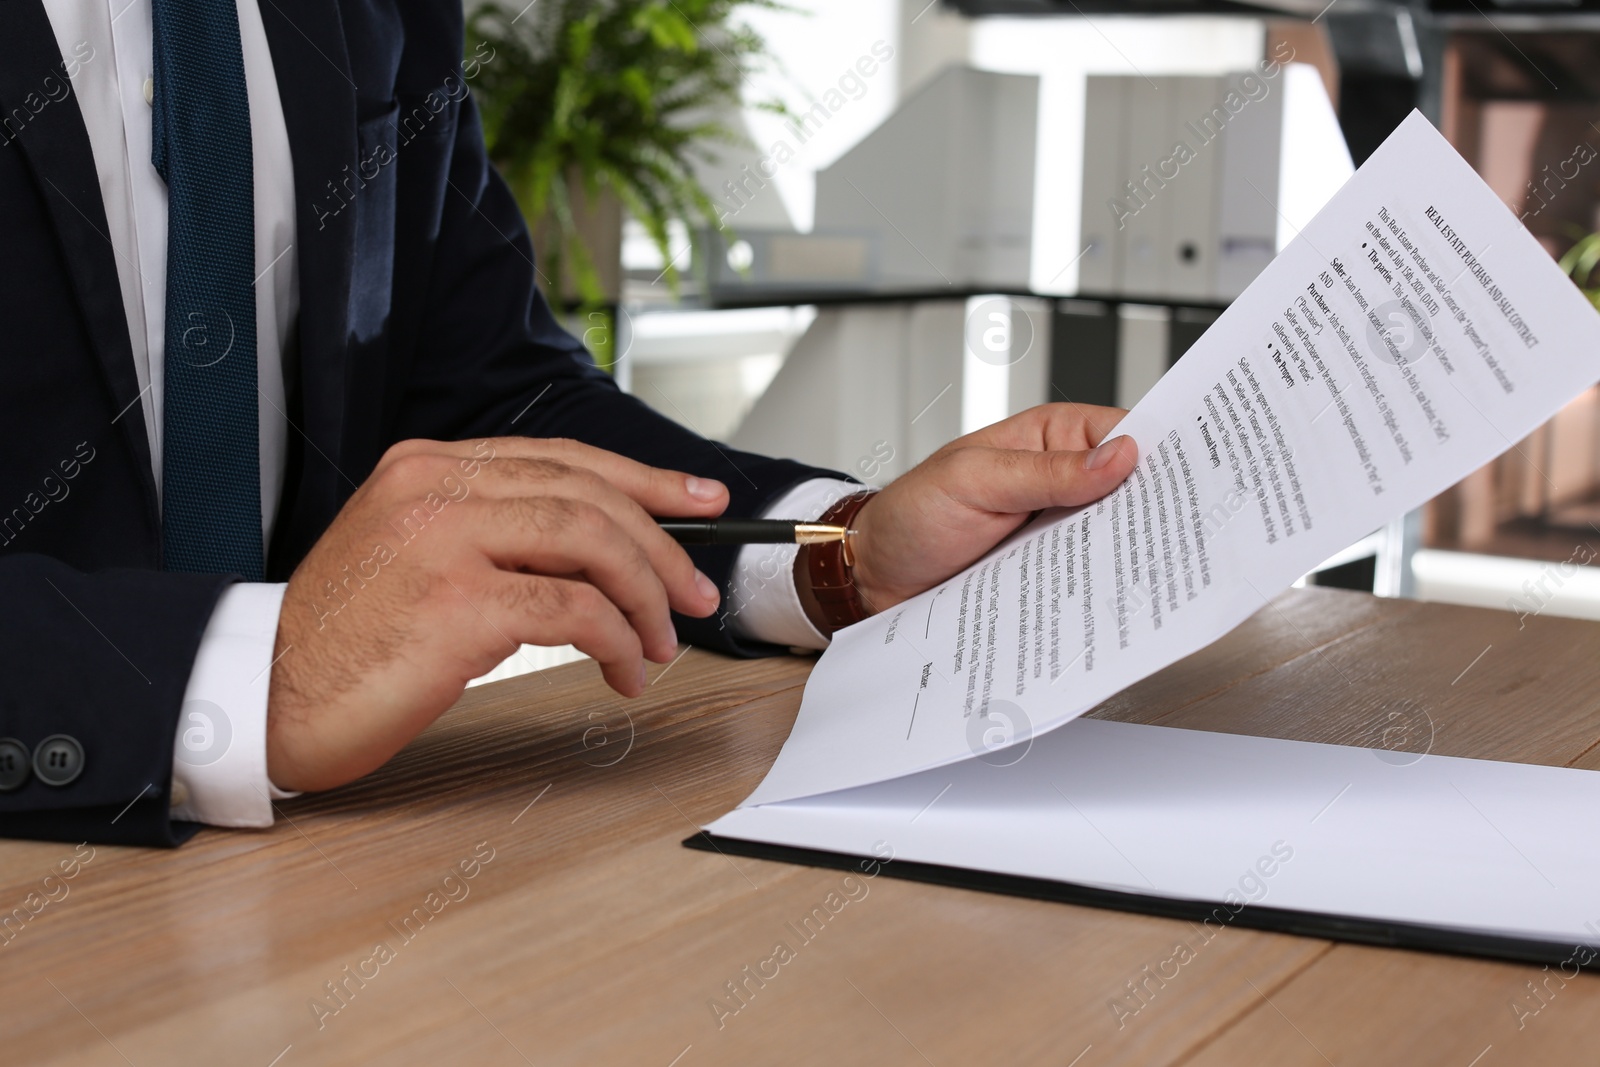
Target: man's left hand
[944,514]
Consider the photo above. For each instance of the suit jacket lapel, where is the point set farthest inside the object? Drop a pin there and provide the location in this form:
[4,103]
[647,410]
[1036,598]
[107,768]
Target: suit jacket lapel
[55,143]
[312,66]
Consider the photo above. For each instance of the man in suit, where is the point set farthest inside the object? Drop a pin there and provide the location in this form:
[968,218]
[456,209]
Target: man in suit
[293,448]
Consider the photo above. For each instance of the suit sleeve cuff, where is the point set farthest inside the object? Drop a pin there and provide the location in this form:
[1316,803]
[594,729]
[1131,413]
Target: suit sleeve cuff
[763,604]
[219,767]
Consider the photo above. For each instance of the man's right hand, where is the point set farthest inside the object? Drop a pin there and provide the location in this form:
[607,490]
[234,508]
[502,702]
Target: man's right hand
[450,556]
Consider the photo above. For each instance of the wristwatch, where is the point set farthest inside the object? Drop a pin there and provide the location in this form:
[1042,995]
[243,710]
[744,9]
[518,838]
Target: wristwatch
[831,568]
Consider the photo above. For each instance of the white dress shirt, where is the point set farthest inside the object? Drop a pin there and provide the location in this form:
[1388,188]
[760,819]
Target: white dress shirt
[219,768]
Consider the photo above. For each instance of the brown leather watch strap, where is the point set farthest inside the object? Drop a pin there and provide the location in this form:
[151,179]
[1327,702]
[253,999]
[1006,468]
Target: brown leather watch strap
[830,567]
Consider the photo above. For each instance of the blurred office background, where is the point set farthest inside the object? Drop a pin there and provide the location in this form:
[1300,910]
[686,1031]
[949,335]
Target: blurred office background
[919,205]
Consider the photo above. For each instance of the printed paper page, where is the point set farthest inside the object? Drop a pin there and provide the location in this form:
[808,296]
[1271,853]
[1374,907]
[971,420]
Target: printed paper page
[1412,332]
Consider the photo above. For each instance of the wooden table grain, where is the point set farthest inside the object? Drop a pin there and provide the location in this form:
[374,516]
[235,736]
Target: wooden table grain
[512,890]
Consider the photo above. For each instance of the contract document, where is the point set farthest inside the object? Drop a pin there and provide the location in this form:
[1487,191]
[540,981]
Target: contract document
[1413,331]
[1410,334]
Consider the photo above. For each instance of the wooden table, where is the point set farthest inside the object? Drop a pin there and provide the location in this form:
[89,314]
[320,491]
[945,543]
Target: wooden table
[593,937]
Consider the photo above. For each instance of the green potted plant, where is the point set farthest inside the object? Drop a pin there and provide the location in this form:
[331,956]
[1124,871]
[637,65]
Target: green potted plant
[595,106]
[1580,262]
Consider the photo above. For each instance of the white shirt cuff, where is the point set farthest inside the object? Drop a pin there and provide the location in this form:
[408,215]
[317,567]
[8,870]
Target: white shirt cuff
[763,604]
[219,766]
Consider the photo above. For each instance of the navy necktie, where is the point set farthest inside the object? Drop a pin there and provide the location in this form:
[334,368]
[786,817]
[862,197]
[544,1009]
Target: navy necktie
[200,145]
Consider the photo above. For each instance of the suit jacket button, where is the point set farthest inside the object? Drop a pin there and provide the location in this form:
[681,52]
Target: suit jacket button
[13,764]
[58,760]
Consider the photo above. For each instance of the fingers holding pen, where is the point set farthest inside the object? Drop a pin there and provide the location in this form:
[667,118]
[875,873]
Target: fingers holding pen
[562,537]
[512,541]
[519,468]
[631,493]
[562,512]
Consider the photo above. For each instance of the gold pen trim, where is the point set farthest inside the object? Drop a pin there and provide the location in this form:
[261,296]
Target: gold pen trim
[820,533]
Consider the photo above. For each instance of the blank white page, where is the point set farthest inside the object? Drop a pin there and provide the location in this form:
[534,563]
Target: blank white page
[1497,848]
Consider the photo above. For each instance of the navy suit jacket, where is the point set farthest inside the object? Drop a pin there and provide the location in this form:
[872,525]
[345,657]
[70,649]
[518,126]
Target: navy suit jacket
[419,317]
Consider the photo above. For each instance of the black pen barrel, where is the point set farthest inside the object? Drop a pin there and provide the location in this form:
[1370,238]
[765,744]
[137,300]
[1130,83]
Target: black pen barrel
[730,531]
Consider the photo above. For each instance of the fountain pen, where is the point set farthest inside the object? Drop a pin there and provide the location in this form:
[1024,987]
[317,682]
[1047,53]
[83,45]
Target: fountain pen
[752,531]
